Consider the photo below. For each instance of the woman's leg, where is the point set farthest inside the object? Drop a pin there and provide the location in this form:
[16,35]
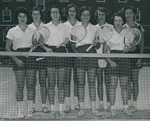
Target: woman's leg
[61,87]
[81,92]
[100,87]
[113,86]
[124,89]
[31,86]
[51,75]
[135,87]
[67,89]
[124,94]
[107,85]
[91,73]
[20,81]
[43,88]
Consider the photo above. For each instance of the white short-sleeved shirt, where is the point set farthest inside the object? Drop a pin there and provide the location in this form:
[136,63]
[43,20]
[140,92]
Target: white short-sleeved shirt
[89,38]
[58,33]
[102,62]
[34,27]
[135,25]
[70,26]
[99,27]
[20,39]
[116,42]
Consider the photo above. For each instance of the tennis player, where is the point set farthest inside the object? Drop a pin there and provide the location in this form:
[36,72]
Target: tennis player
[56,65]
[136,64]
[101,15]
[72,12]
[19,39]
[119,68]
[84,65]
[36,16]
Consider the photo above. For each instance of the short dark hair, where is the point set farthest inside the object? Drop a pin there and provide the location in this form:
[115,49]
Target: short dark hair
[21,10]
[72,5]
[101,9]
[84,8]
[129,7]
[36,9]
[54,6]
[120,14]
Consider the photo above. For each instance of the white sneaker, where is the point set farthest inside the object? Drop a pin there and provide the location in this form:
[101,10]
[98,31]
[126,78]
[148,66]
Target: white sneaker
[127,111]
[133,109]
[62,114]
[45,109]
[109,108]
[20,115]
[100,108]
[77,107]
[30,114]
[67,109]
[113,112]
[96,113]
[81,112]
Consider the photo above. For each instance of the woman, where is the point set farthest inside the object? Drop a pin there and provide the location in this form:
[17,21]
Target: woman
[136,64]
[84,65]
[72,12]
[19,39]
[37,15]
[56,66]
[119,68]
[101,15]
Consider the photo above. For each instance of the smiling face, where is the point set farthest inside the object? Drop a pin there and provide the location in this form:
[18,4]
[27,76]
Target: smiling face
[85,16]
[101,16]
[72,13]
[55,14]
[129,14]
[22,18]
[36,15]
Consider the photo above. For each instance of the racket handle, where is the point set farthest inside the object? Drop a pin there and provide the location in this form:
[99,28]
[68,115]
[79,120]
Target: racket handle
[32,48]
[89,48]
[38,59]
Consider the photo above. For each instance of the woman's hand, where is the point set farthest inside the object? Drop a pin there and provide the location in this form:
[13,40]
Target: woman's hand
[19,63]
[112,64]
[139,63]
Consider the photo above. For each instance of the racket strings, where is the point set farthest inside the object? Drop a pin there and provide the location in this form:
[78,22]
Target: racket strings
[78,33]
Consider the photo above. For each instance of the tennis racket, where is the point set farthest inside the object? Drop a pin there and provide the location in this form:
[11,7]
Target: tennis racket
[101,34]
[40,37]
[132,38]
[77,34]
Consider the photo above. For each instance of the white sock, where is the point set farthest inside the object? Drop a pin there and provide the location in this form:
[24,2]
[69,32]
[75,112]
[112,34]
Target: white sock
[20,106]
[30,105]
[125,106]
[130,102]
[112,107]
[135,103]
[101,102]
[93,105]
[52,107]
[61,107]
[81,105]
[67,101]
[44,105]
[108,104]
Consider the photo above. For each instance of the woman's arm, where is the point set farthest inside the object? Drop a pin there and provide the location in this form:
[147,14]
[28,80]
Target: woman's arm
[9,48]
[105,50]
